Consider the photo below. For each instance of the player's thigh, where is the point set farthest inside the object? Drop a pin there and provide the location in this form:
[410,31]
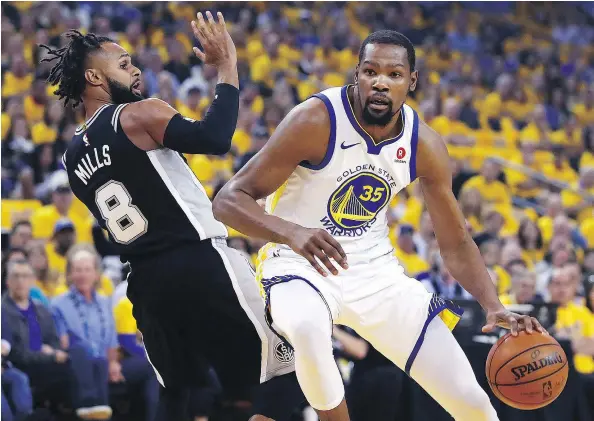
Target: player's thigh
[388,310]
[302,289]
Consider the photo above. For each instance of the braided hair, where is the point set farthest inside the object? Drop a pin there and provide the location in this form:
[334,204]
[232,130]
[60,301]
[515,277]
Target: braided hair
[68,72]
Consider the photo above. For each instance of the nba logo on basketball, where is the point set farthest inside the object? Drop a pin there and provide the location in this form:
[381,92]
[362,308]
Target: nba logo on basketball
[547,390]
[400,155]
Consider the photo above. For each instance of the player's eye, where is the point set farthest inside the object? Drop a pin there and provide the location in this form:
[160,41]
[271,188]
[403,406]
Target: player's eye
[369,72]
[124,65]
[395,74]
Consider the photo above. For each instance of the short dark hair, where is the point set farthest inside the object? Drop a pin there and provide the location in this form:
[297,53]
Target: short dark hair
[19,224]
[387,36]
[69,72]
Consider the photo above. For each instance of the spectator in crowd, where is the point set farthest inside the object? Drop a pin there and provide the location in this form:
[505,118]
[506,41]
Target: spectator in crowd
[531,242]
[16,392]
[406,254]
[85,321]
[20,234]
[523,289]
[491,189]
[574,321]
[45,218]
[36,348]
[47,279]
[441,282]
[136,369]
[63,238]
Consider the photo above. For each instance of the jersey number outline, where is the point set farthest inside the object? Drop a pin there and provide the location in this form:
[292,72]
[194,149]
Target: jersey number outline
[124,220]
[377,193]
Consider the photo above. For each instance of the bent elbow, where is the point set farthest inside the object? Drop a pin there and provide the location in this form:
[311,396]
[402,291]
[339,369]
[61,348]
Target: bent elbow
[219,205]
[221,145]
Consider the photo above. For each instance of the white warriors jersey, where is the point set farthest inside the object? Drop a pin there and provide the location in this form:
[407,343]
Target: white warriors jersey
[349,192]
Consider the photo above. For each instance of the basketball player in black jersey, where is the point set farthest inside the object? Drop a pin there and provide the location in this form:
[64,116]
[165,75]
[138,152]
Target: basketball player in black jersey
[195,300]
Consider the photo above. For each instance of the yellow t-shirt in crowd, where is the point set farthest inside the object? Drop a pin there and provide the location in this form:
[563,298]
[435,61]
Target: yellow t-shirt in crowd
[503,279]
[6,122]
[573,314]
[584,115]
[125,323]
[262,68]
[565,174]
[545,224]
[44,219]
[494,192]
[587,230]
[570,199]
[242,141]
[55,260]
[202,167]
[33,111]
[413,264]
[14,85]
[41,133]
[586,160]
[187,111]
[52,289]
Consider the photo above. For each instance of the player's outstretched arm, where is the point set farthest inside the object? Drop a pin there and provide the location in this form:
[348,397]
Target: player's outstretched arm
[302,136]
[459,252]
[153,123]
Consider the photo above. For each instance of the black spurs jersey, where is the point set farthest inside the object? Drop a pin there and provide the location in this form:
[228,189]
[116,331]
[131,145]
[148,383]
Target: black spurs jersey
[147,201]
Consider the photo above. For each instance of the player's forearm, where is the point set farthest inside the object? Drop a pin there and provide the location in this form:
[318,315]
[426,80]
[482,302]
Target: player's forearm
[240,211]
[228,74]
[466,266]
[213,134]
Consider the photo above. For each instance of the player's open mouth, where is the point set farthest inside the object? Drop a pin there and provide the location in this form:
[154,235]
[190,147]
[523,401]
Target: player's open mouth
[136,88]
[379,104]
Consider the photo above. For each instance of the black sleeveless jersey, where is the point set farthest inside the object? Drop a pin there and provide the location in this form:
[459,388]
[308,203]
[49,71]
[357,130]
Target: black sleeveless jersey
[147,201]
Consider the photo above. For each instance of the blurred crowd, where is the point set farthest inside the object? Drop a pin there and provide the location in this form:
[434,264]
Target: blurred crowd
[509,87]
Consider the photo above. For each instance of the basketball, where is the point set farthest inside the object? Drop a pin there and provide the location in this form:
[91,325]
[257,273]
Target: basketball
[528,371]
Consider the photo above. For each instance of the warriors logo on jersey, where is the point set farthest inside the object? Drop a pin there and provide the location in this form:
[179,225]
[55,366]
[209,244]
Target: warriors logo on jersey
[353,206]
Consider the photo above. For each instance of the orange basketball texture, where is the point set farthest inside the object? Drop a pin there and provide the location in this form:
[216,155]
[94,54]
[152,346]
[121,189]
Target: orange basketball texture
[528,371]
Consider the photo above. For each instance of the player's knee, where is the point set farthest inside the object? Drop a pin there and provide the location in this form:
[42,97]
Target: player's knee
[475,405]
[309,334]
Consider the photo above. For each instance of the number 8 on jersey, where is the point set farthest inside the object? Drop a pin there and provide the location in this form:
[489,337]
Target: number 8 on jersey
[124,221]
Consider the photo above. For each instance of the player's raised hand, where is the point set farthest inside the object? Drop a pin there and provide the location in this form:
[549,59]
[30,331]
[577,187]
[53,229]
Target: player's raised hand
[317,243]
[219,49]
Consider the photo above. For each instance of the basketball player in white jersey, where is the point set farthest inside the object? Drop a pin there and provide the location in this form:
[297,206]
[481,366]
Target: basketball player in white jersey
[329,172]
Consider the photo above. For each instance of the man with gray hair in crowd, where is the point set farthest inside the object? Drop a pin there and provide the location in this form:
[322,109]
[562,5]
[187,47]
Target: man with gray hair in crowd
[85,319]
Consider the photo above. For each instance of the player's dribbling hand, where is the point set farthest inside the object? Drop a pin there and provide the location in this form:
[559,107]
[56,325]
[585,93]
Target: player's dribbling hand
[513,321]
[219,49]
[311,243]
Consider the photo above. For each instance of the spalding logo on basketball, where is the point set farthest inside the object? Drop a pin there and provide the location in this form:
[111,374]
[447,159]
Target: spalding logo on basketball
[283,353]
[527,371]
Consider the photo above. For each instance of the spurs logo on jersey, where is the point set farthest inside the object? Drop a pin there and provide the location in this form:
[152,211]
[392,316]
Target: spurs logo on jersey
[348,193]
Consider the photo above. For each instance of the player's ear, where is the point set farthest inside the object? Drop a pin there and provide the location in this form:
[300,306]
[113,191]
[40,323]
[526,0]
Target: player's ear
[414,77]
[356,76]
[93,77]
